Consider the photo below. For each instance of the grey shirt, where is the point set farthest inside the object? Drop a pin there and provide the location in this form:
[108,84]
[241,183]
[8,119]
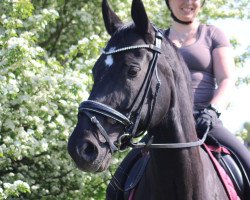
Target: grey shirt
[198,57]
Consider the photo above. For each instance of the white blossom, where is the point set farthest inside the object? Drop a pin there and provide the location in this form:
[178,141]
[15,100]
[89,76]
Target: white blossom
[35,187]
[9,124]
[60,119]
[83,41]
[15,41]
[3,16]
[44,145]
[52,125]
[63,102]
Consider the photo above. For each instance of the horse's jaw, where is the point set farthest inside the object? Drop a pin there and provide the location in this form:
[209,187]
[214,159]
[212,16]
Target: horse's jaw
[100,164]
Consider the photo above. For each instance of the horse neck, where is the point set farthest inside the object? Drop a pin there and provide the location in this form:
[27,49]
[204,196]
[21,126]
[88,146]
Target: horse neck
[176,170]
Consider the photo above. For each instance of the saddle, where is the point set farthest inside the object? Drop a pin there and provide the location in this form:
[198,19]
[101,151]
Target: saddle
[133,166]
[231,164]
[230,171]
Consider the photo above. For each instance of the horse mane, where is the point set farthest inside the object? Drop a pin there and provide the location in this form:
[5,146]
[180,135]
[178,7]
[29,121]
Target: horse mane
[181,114]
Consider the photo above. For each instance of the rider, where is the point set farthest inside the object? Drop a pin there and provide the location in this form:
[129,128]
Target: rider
[208,55]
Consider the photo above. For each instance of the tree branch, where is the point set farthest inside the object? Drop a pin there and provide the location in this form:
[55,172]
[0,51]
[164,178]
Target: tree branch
[60,26]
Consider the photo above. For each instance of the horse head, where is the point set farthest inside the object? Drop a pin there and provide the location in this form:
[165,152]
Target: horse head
[132,90]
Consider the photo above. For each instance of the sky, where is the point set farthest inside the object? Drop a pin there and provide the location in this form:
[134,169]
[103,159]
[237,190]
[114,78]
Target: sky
[239,110]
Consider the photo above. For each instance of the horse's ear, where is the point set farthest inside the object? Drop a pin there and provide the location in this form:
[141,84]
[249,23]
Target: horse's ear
[111,20]
[140,18]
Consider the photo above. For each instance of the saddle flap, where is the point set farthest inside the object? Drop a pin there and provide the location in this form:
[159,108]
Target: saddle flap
[237,173]
[234,173]
[136,173]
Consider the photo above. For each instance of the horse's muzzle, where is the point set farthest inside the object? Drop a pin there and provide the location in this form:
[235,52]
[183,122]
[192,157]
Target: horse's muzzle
[87,151]
[88,155]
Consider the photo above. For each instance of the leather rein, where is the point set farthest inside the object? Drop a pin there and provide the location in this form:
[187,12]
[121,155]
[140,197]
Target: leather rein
[131,122]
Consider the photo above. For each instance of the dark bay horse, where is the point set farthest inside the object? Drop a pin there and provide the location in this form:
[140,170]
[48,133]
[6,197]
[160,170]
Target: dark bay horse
[141,83]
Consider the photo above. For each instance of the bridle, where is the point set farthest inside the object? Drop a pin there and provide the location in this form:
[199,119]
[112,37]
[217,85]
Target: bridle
[131,121]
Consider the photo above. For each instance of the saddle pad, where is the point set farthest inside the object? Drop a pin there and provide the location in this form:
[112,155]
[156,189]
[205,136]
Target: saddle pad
[228,184]
[135,176]
[136,173]
[115,190]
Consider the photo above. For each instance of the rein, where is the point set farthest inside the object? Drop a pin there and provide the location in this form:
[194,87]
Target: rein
[171,145]
[90,107]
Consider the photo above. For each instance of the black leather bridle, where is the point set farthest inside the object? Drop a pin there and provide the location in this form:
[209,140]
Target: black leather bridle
[130,122]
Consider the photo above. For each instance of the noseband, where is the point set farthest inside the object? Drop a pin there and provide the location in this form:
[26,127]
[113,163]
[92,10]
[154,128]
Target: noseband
[90,107]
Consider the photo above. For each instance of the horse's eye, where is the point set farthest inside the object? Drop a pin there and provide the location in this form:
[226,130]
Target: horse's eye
[133,71]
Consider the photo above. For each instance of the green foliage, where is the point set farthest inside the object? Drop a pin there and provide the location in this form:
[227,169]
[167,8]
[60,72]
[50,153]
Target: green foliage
[244,133]
[247,128]
[47,51]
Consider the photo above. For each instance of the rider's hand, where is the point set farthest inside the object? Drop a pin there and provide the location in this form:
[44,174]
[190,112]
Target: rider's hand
[206,119]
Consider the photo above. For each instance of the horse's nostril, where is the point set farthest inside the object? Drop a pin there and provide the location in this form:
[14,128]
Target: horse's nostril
[88,151]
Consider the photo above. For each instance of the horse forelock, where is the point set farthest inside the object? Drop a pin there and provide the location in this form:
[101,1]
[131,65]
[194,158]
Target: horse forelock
[124,36]
[120,38]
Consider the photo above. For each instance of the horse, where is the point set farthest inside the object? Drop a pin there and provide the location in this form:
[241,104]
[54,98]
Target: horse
[141,84]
